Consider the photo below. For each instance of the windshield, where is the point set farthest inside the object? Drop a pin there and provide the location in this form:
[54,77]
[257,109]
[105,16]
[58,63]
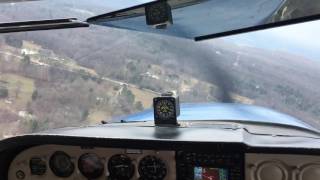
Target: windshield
[74,77]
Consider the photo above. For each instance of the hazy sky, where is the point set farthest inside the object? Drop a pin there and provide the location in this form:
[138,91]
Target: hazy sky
[300,39]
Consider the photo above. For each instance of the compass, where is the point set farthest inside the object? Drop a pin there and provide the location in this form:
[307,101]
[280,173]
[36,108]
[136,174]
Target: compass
[158,14]
[166,109]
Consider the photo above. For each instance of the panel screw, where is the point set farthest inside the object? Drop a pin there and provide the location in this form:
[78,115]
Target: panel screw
[20,174]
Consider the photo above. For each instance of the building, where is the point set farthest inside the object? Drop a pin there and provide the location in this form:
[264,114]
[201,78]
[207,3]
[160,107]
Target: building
[30,48]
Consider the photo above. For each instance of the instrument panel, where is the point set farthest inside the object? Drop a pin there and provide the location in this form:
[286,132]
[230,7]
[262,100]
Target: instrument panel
[51,162]
[282,167]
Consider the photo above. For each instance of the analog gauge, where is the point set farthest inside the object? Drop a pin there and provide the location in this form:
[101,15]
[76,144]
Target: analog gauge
[61,164]
[274,169]
[37,166]
[309,172]
[90,166]
[120,167]
[152,168]
[165,109]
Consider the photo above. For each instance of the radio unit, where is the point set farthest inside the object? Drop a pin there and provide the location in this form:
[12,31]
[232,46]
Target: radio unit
[217,166]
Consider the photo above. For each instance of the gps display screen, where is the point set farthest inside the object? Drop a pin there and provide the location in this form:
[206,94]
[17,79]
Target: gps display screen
[208,173]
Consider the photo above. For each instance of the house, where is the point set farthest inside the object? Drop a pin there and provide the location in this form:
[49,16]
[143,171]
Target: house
[30,48]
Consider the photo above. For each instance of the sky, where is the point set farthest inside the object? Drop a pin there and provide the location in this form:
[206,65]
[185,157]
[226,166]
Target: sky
[302,39]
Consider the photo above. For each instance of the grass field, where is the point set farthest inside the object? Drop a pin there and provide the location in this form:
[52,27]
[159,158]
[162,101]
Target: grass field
[242,99]
[96,116]
[145,97]
[17,85]
[14,103]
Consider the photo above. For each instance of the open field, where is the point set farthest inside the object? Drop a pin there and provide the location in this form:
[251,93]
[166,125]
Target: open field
[146,98]
[20,91]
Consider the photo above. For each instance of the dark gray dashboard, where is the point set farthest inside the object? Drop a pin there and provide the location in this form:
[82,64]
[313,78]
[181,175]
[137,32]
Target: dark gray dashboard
[246,151]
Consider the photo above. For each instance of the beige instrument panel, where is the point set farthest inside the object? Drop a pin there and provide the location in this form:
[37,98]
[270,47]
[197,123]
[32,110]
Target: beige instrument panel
[20,167]
[282,167]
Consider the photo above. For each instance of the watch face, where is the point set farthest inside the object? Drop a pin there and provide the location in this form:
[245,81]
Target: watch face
[165,109]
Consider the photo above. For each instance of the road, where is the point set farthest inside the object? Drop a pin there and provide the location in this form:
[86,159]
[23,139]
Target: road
[129,85]
[10,54]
